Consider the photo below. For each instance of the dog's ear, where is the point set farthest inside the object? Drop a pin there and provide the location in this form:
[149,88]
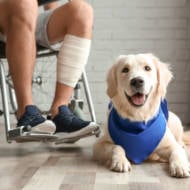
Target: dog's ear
[164,75]
[112,81]
[112,77]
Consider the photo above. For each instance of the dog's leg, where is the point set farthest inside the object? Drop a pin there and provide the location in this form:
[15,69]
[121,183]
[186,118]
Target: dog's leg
[178,161]
[112,155]
[172,151]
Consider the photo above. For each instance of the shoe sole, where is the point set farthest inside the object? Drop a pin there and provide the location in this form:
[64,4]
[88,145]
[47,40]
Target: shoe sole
[86,131]
[47,127]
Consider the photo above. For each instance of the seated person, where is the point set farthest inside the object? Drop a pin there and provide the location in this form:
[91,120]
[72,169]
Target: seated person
[70,26]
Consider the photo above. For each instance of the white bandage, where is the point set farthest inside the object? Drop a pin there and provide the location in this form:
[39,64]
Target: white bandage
[72,58]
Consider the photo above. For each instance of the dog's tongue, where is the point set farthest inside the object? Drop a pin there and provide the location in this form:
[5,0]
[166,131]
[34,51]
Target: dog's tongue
[138,99]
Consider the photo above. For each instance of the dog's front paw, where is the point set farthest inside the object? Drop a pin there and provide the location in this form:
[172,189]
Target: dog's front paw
[119,162]
[179,169]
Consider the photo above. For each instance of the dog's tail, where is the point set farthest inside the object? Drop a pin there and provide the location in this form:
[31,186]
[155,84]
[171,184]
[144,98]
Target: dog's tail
[186,137]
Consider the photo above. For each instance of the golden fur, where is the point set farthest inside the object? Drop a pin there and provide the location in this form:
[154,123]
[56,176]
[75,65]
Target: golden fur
[156,76]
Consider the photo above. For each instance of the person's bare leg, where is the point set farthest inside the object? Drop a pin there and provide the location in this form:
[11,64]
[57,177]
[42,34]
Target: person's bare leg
[19,28]
[75,18]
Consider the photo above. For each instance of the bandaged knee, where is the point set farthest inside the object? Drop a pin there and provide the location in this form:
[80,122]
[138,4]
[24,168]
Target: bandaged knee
[72,58]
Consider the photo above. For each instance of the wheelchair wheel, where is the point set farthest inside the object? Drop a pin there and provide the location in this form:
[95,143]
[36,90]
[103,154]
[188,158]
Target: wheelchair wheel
[44,80]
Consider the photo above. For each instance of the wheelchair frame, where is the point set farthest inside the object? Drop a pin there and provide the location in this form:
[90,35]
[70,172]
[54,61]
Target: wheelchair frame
[7,90]
[20,134]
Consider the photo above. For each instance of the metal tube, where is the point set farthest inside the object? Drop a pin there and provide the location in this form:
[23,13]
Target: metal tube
[4,99]
[88,96]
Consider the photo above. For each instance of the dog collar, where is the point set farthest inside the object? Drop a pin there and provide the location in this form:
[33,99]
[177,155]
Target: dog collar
[138,139]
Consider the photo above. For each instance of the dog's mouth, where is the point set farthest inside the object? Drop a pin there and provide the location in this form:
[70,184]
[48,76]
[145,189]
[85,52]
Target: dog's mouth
[137,99]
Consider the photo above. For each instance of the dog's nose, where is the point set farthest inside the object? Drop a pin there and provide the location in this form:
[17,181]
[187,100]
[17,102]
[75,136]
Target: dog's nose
[137,82]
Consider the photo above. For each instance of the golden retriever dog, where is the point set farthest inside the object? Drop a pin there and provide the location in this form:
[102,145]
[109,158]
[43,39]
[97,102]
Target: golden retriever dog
[139,126]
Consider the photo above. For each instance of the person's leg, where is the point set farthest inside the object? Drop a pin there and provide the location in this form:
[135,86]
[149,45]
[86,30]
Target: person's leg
[19,26]
[72,24]
[18,21]
[74,18]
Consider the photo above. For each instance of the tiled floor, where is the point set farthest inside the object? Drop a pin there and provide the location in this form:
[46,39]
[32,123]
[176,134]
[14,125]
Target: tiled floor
[40,166]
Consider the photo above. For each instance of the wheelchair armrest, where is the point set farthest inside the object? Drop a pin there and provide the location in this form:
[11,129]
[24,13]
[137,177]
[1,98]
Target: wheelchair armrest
[43,51]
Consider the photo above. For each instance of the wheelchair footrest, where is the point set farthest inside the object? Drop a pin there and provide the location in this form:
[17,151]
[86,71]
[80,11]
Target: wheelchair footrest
[21,135]
[95,132]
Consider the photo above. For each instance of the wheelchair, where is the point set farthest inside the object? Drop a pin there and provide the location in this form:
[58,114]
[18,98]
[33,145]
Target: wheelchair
[21,134]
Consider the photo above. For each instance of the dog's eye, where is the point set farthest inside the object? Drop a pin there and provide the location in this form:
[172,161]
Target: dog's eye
[147,68]
[125,70]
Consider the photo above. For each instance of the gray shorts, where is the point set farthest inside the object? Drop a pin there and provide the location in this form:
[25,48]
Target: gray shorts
[41,31]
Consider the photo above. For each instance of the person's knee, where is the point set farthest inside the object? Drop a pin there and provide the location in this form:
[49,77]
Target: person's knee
[22,14]
[82,14]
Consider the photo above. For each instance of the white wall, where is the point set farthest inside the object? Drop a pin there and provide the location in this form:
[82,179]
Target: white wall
[124,27]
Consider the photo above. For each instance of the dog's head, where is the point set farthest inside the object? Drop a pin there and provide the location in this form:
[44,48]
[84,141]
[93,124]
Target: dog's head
[136,85]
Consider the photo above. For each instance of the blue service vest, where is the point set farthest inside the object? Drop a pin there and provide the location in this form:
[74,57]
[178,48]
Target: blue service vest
[138,139]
